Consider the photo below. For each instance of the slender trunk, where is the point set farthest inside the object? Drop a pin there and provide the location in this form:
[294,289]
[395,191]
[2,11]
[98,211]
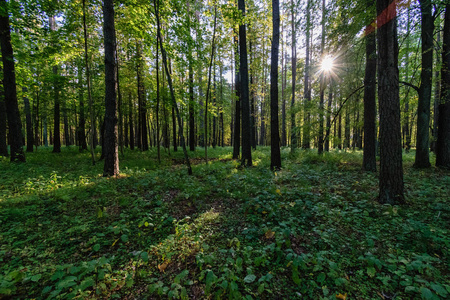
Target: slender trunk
[57,110]
[9,84]
[119,103]
[208,91]
[422,159]
[322,84]
[130,118]
[36,120]
[307,89]
[29,123]
[81,132]
[294,79]
[3,142]
[437,92]
[283,140]
[275,155]
[330,100]
[88,80]
[237,113]
[142,133]
[443,136]
[158,144]
[191,107]
[172,93]
[243,70]
[369,153]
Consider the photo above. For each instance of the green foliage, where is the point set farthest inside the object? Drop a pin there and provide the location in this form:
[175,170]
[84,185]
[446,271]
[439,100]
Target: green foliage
[312,229]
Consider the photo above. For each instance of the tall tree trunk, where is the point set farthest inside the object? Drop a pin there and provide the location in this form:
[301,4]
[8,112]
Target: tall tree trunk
[252,102]
[81,132]
[422,159]
[283,141]
[328,129]
[172,93]
[391,170]
[29,123]
[243,70]
[275,155]
[111,167]
[294,79]
[370,110]
[174,130]
[237,113]
[57,109]
[130,118]
[443,136]
[36,119]
[347,129]
[3,142]
[307,89]
[9,84]
[191,107]
[437,92]
[88,81]
[208,89]
[158,144]
[322,84]
[142,133]
[119,103]
[406,125]
[214,108]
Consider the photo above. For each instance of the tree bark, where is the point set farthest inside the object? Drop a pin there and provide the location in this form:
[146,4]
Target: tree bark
[9,84]
[369,153]
[275,155]
[243,70]
[422,159]
[3,143]
[322,84]
[29,123]
[391,170]
[237,113]
[294,79]
[56,109]
[307,90]
[81,131]
[443,136]
[111,167]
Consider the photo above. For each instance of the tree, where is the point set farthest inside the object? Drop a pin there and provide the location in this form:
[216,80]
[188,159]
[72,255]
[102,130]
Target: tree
[443,137]
[29,123]
[56,109]
[307,87]
[322,84]
[3,144]
[391,171]
[9,84]
[369,152]
[294,74]
[422,159]
[111,167]
[237,107]
[275,155]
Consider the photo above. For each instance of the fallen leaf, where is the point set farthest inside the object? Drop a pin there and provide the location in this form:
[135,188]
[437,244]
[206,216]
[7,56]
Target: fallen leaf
[269,234]
[163,266]
[342,297]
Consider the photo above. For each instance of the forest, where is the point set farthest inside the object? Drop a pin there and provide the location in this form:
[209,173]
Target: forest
[247,149]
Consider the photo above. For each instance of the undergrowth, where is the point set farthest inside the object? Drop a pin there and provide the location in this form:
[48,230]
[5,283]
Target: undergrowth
[312,230]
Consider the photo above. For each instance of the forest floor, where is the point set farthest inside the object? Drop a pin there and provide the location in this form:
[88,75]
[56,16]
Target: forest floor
[312,230]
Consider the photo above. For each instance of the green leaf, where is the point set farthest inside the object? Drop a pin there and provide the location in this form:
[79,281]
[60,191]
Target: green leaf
[36,277]
[261,288]
[321,277]
[439,289]
[124,238]
[371,271]
[66,282]
[249,278]
[180,276]
[88,282]
[96,247]
[426,293]
[144,256]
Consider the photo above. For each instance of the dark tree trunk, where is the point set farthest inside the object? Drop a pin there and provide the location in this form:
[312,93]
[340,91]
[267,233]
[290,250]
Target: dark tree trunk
[243,70]
[88,81]
[130,118]
[328,129]
[391,170]
[57,109]
[275,155]
[283,102]
[3,143]
[36,120]
[174,130]
[81,132]
[142,134]
[422,159]
[29,123]
[9,84]
[443,136]
[158,144]
[237,113]
[67,140]
[307,90]
[214,108]
[294,79]
[322,84]
[370,110]
[347,130]
[437,93]
[119,103]
[252,101]
[111,167]
[191,107]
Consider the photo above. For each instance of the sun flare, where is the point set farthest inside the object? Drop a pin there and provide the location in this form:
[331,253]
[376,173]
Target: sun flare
[327,64]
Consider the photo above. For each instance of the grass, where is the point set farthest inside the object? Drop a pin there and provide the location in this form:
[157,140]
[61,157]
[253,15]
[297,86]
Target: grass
[312,230]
